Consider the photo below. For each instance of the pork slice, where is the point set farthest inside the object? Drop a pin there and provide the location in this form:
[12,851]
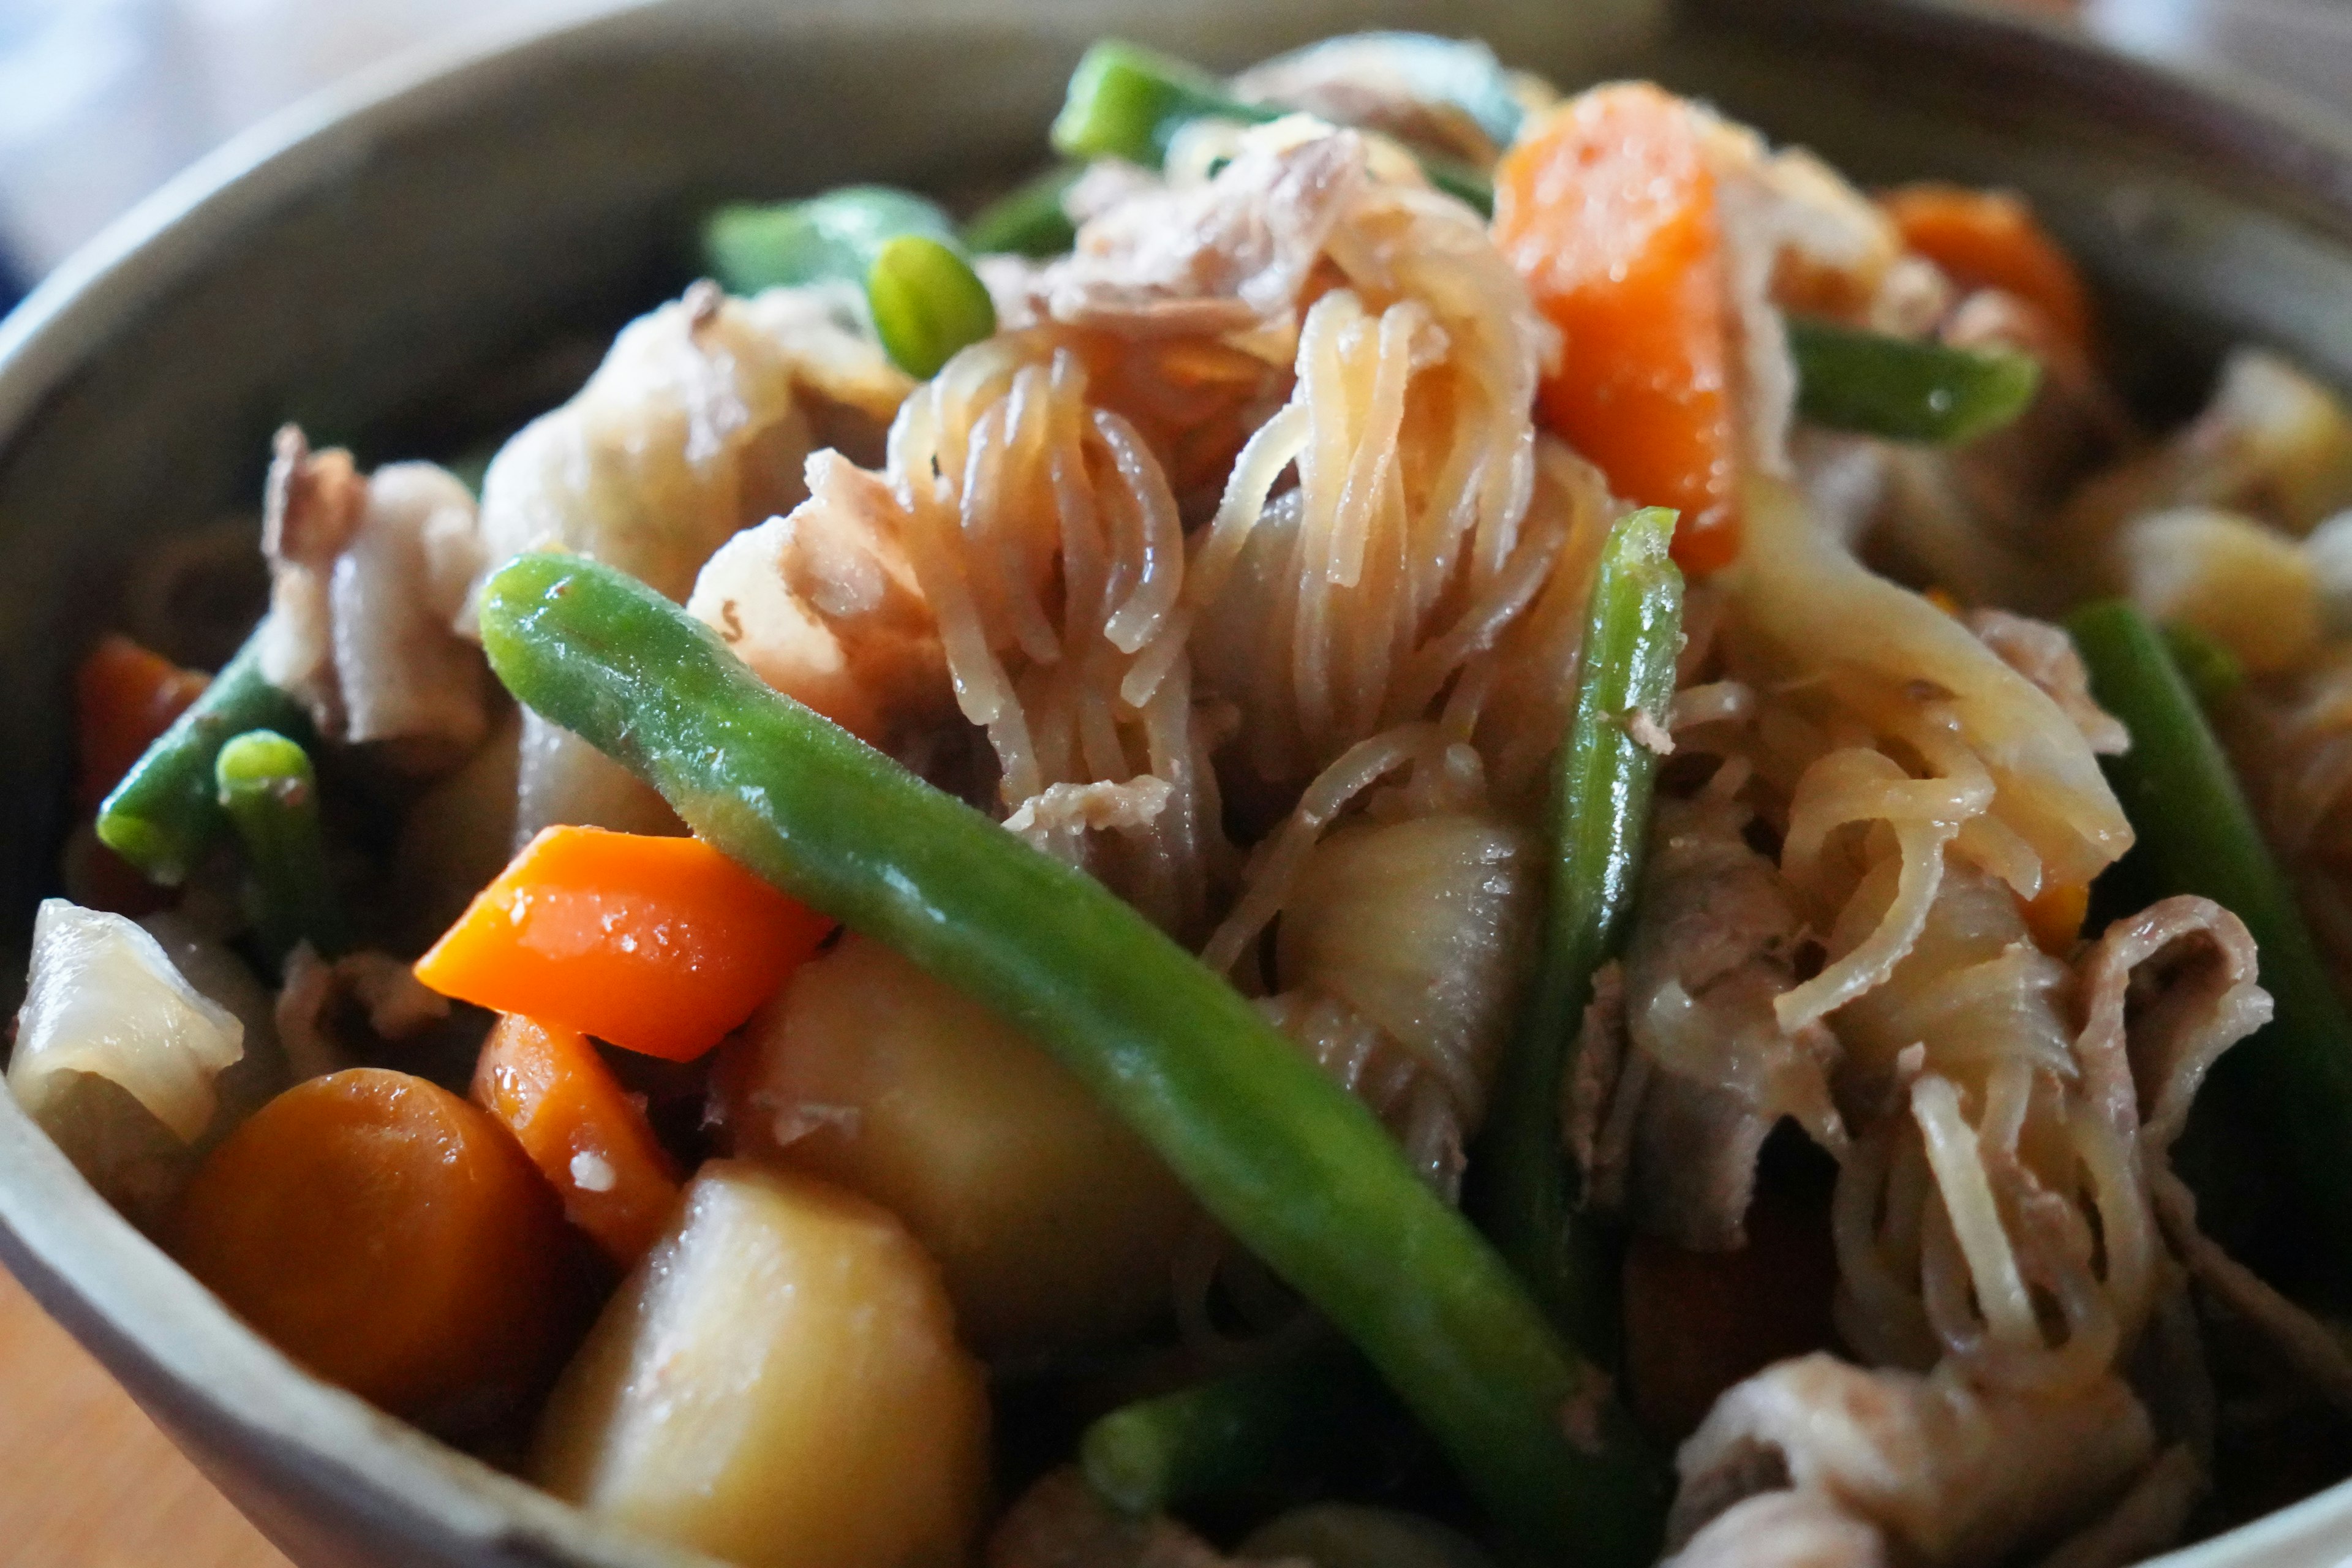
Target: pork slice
[1950,1472]
[2046,655]
[366,575]
[1715,946]
[1215,257]
[2145,1049]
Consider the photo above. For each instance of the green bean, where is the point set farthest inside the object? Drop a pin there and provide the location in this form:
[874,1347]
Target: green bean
[927,303]
[1296,1168]
[166,813]
[831,237]
[271,797]
[1027,220]
[924,301]
[1126,101]
[2212,671]
[1528,1185]
[2198,835]
[1261,1426]
[1903,389]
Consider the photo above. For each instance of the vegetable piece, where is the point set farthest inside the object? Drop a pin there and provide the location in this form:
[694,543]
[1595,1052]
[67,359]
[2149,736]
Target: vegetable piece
[1128,101]
[659,945]
[271,797]
[167,812]
[1296,1168]
[927,303]
[777,1385]
[124,697]
[389,1237]
[117,1055]
[831,237]
[2198,835]
[2212,671]
[588,1138]
[924,298]
[1989,239]
[1262,1427]
[1526,1185]
[1607,208]
[1817,614]
[1053,1223]
[2249,587]
[1906,389]
[1028,220]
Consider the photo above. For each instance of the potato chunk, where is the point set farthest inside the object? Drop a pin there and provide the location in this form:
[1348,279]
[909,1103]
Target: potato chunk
[1052,1223]
[778,1383]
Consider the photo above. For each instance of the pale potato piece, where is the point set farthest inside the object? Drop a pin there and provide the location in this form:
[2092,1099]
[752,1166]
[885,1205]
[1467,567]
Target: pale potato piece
[2247,586]
[1052,1223]
[777,1383]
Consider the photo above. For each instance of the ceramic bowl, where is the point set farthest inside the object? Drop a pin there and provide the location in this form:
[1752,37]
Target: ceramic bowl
[403,263]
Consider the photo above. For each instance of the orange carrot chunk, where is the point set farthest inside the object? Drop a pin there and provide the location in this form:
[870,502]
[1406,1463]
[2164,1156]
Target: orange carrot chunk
[124,696]
[1989,239]
[1607,209]
[659,945]
[389,1237]
[587,1137]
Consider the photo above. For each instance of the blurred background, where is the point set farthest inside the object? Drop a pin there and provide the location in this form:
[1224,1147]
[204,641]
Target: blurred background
[104,101]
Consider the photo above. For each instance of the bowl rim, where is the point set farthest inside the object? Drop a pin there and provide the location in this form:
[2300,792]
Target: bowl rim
[114,1290]
[124,1299]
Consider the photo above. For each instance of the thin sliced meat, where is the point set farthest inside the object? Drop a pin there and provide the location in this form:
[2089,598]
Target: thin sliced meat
[366,576]
[1716,945]
[824,605]
[1951,1473]
[2145,1052]
[1221,257]
[2045,655]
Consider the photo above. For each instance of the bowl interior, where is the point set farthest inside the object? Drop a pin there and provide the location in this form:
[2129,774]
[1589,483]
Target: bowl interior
[424,260]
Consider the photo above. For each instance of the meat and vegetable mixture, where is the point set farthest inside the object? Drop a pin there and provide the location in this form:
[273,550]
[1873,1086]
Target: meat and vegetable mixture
[1406,823]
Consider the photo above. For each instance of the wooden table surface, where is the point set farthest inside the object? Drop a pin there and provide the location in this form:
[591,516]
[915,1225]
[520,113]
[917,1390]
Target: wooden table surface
[86,1481]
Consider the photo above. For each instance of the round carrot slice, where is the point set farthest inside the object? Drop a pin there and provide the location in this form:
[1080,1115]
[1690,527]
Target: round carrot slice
[388,1235]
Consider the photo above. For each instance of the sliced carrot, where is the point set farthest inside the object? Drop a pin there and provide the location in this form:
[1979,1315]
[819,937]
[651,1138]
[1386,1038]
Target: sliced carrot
[2054,916]
[1607,210]
[389,1237]
[587,1137]
[659,945]
[1989,239]
[124,696]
